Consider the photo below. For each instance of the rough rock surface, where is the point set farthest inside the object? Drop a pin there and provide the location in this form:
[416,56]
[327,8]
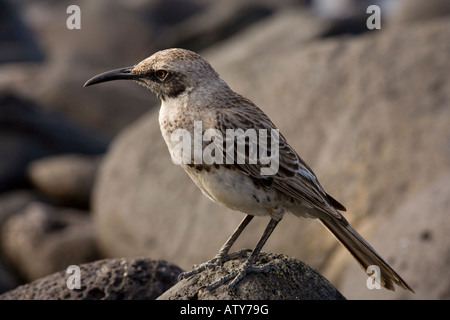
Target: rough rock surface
[290,280]
[110,279]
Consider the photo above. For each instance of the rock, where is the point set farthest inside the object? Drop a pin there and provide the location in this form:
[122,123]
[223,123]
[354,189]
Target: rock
[349,17]
[416,241]
[8,280]
[303,27]
[18,44]
[219,21]
[42,240]
[13,202]
[29,133]
[66,179]
[359,112]
[110,279]
[416,11]
[291,280]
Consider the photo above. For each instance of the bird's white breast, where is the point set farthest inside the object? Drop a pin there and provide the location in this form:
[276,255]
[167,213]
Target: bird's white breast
[233,190]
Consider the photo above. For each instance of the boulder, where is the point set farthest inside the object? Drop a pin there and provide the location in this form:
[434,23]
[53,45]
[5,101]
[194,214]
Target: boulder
[415,241]
[16,201]
[302,26]
[110,279]
[287,279]
[416,11]
[8,280]
[18,43]
[217,22]
[43,239]
[66,179]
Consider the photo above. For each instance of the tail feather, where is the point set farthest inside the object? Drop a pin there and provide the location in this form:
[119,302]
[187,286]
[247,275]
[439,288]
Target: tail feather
[364,253]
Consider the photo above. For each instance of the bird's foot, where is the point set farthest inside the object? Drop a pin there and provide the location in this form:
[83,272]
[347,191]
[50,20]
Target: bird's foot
[214,263]
[237,275]
[211,264]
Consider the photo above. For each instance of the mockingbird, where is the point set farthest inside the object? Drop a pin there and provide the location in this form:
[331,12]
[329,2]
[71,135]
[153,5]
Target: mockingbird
[192,91]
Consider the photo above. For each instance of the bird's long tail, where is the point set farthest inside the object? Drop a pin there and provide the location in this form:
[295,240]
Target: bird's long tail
[364,253]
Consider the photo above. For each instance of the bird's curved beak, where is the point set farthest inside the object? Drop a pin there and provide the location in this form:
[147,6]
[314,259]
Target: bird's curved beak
[117,74]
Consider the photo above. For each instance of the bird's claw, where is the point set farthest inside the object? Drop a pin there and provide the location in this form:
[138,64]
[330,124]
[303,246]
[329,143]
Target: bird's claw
[199,269]
[214,263]
[238,275]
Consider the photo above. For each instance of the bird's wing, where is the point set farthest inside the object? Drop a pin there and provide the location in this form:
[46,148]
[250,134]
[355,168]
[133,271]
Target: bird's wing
[294,177]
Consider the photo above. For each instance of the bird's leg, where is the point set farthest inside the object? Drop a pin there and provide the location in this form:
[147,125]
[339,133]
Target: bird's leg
[248,267]
[222,256]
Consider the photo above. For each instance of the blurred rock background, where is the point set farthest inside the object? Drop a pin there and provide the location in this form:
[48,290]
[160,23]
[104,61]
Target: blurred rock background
[85,173]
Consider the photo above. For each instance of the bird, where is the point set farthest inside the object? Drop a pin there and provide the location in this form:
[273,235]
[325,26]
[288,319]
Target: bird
[191,92]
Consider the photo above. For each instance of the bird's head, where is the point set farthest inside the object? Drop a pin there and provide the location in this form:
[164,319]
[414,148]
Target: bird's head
[167,73]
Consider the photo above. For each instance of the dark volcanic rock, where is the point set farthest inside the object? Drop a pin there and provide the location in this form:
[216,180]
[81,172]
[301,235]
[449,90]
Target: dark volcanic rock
[290,280]
[111,279]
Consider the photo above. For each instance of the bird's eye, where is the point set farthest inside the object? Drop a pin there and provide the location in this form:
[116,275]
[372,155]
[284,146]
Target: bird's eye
[161,74]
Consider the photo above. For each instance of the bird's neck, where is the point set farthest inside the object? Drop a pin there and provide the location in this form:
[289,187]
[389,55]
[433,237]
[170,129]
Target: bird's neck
[183,113]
